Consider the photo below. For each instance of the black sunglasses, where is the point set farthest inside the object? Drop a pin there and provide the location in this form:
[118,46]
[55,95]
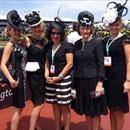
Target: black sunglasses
[55,33]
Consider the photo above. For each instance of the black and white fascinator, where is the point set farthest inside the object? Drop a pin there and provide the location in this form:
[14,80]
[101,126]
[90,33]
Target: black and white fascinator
[85,18]
[33,19]
[114,12]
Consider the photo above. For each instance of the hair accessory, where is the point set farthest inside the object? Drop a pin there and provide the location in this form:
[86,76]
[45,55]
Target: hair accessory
[114,13]
[58,21]
[14,20]
[85,18]
[33,19]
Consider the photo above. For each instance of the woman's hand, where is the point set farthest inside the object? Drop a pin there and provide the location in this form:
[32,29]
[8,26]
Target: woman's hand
[14,83]
[126,86]
[99,88]
[53,80]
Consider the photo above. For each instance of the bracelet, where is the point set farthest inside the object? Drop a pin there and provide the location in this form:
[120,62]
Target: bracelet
[60,76]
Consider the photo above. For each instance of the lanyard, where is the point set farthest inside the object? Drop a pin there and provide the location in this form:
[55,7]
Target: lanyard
[110,43]
[54,50]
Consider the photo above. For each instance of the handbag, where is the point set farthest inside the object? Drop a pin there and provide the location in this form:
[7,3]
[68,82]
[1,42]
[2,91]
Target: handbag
[11,69]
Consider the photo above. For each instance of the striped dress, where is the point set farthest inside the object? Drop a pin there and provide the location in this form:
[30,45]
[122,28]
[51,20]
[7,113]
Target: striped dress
[60,92]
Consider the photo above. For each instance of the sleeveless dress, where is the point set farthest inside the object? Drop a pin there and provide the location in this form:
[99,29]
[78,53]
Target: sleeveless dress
[19,55]
[36,80]
[116,76]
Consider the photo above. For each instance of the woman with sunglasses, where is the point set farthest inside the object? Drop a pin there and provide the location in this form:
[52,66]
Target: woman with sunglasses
[35,46]
[14,48]
[59,62]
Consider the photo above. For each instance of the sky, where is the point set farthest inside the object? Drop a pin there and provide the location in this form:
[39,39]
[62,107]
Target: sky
[67,8]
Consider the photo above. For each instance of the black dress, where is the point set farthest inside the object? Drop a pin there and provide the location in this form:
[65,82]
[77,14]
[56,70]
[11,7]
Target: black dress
[36,80]
[116,76]
[59,93]
[88,70]
[19,56]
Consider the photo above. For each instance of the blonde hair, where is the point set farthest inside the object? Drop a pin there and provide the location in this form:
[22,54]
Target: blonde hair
[8,28]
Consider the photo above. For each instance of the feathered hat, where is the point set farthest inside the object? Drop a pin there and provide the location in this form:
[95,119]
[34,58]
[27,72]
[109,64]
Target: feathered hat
[114,13]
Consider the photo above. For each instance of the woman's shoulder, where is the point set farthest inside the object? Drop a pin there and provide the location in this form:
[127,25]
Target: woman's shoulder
[67,46]
[9,44]
[78,42]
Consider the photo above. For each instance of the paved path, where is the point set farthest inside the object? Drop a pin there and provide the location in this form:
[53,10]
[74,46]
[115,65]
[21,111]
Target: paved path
[47,122]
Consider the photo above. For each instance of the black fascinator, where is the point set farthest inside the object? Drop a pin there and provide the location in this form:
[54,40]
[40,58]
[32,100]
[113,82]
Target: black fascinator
[114,13]
[33,19]
[14,20]
[60,24]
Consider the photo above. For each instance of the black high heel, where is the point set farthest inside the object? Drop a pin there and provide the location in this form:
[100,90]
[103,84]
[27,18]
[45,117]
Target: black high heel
[62,128]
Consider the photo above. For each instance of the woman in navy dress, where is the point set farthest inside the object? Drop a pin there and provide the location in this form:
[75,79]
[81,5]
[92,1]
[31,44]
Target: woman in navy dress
[89,73]
[59,62]
[15,52]
[117,66]
[35,46]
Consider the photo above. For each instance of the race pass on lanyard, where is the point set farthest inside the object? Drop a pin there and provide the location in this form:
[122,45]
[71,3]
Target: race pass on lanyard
[108,59]
[54,50]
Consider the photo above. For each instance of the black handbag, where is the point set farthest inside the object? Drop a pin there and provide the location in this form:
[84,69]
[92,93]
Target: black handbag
[12,70]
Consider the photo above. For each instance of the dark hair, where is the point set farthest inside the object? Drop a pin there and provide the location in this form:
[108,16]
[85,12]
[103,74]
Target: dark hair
[59,25]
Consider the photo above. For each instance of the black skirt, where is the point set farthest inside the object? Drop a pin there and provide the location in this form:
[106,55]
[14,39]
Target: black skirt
[37,84]
[83,104]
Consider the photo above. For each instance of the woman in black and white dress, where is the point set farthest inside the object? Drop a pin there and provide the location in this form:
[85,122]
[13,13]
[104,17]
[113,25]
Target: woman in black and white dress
[35,46]
[59,62]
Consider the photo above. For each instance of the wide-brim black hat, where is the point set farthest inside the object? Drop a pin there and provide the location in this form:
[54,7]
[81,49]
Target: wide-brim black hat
[85,18]
[14,20]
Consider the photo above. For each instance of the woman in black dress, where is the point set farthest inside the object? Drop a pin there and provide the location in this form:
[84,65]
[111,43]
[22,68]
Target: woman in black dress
[35,46]
[15,50]
[59,62]
[117,66]
[89,73]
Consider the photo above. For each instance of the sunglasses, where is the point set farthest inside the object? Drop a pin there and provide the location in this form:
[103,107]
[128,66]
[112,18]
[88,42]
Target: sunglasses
[55,33]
